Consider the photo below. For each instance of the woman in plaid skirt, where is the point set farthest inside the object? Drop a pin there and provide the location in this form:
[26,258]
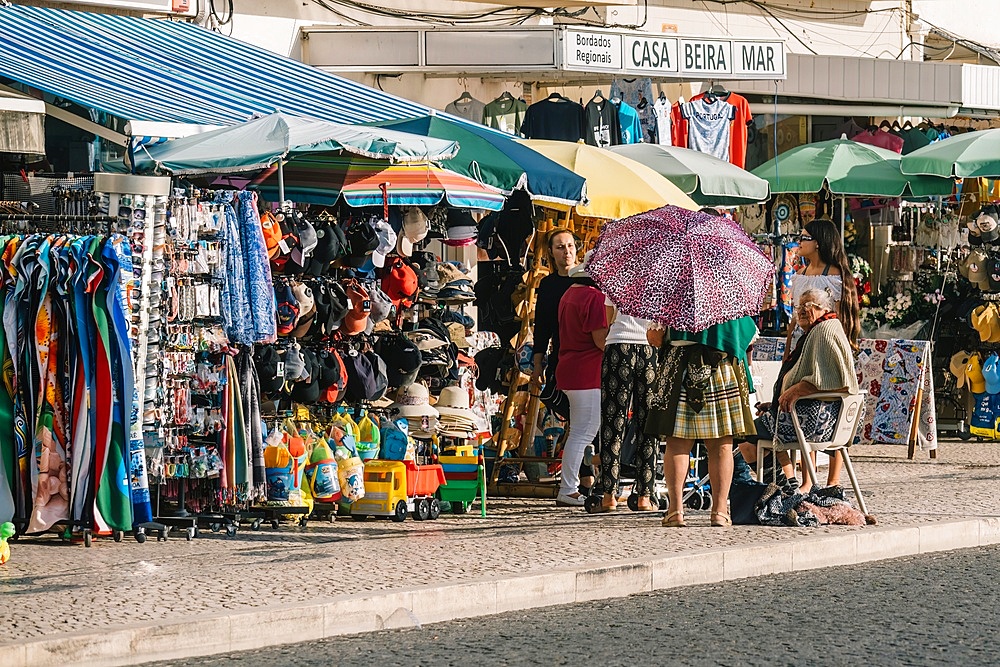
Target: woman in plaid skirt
[702,392]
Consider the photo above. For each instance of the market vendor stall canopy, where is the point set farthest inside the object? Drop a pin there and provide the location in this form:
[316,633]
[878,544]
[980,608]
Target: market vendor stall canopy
[616,186]
[498,160]
[171,71]
[361,181]
[969,155]
[846,167]
[707,179]
[261,142]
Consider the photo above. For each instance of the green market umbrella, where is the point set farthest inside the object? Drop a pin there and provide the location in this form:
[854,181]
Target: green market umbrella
[969,155]
[279,137]
[708,180]
[498,160]
[847,168]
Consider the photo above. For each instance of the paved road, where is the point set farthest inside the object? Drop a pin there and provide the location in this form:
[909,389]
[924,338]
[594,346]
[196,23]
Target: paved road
[928,610]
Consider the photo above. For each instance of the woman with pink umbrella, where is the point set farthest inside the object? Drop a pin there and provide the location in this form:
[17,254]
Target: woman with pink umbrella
[697,277]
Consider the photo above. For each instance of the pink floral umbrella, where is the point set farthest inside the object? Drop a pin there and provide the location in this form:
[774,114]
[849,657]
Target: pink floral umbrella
[681,268]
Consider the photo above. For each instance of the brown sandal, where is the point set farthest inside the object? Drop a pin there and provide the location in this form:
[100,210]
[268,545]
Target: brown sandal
[673,520]
[721,520]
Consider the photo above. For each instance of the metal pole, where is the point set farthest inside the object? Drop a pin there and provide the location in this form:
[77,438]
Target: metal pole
[843,215]
[281,182]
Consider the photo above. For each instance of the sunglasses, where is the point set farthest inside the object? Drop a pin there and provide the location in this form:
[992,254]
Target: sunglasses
[805,237]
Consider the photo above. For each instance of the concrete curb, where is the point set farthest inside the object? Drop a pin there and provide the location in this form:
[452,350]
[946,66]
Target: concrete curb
[366,612]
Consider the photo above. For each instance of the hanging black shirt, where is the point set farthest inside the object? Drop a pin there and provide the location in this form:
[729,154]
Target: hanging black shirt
[555,118]
[603,126]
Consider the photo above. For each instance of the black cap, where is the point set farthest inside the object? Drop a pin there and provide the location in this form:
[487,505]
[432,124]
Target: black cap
[402,359]
[266,361]
[329,248]
[361,240]
[490,375]
[361,382]
[381,375]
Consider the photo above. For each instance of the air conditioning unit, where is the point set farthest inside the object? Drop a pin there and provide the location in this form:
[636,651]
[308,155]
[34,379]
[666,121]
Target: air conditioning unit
[175,7]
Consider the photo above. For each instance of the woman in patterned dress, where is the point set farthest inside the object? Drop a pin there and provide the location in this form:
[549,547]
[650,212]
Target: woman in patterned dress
[701,392]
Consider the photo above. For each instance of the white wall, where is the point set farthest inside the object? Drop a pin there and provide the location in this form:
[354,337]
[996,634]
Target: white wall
[972,19]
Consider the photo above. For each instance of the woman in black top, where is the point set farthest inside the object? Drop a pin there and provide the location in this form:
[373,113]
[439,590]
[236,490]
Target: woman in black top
[561,246]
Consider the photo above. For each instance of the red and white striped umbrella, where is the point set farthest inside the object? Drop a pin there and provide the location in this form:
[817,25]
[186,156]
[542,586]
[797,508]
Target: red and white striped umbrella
[681,268]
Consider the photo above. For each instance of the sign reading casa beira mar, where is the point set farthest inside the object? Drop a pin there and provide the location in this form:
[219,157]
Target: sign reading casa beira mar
[672,56]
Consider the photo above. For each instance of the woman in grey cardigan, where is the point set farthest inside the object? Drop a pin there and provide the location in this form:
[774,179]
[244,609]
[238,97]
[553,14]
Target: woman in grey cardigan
[821,361]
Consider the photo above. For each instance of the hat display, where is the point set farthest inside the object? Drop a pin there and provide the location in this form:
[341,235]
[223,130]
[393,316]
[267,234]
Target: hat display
[295,364]
[307,390]
[267,362]
[414,230]
[361,381]
[361,241]
[425,339]
[333,364]
[329,248]
[307,309]
[287,307]
[976,270]
[386,243]
[307,241]
[272,233]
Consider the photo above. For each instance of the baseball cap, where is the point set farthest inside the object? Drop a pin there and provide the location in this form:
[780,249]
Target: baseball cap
[266,360]
[288,307]
[400,283]
[959,362]
[328,248]
[386,243]
[295,364]
[360,377]
[987,224]
[307,241]
[381,307]
[414,230]
[307,390]
[334,373]
[381,375]
[974,375]
[362,239]
[356,319]
[307,309]
[991,373]
[976,266]
[402,359]
[272,233]
[460,228]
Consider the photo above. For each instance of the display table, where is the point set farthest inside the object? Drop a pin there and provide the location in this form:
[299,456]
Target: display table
[899,408]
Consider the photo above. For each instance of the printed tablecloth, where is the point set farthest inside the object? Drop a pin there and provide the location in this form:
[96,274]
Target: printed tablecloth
[893,372]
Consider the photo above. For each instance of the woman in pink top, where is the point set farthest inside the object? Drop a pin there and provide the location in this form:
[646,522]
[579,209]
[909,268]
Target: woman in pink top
[583,328]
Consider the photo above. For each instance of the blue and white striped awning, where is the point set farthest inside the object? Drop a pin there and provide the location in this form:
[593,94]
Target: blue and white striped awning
[168,71]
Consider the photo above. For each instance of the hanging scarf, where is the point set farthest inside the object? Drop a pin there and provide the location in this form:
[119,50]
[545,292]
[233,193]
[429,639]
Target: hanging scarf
[260,288]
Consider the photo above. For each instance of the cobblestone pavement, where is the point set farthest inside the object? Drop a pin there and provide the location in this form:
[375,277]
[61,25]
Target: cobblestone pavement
[51,588]
[934,609]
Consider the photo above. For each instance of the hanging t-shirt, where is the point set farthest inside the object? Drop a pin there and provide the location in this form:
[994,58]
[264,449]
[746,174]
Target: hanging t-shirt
[661,112]
[505,113]
[555,118]
[678,125]
[603,128]
[638,93]
[629,120]
[469,108]
[709,126]
[738,127]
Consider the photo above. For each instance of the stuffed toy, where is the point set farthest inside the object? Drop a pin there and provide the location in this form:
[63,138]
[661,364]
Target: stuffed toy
[6,532]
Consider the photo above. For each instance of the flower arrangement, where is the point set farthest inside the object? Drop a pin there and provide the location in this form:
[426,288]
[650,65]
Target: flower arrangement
[910,302]
[862,272]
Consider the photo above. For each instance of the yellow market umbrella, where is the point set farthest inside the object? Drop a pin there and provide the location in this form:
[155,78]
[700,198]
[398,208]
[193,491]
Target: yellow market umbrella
[617,187]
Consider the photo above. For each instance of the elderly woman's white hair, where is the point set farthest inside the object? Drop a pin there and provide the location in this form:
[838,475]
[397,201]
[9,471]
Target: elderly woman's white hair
[820,297]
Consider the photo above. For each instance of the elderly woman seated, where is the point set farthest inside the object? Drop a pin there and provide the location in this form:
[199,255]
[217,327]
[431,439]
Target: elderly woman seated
[821,361]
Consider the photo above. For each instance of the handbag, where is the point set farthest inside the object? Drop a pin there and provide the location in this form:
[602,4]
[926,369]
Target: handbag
[743,499]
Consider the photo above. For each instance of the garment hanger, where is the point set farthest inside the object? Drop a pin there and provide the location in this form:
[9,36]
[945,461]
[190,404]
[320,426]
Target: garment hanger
[598,96]
[557,97]
[663,96]
[907,125]
[895,125]
[464,98]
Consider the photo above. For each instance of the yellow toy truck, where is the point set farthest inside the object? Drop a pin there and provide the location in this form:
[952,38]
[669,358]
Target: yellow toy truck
[394,488]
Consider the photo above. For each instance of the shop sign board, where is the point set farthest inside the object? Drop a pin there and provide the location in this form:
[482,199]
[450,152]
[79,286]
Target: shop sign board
[669,56]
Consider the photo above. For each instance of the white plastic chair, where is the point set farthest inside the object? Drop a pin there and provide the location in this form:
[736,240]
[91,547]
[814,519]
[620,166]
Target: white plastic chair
[842,438]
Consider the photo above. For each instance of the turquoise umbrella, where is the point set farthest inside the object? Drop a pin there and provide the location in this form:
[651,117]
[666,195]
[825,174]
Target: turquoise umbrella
[278,138]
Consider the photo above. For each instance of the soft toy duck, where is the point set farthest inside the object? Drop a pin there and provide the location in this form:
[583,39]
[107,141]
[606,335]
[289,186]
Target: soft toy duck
[6,532]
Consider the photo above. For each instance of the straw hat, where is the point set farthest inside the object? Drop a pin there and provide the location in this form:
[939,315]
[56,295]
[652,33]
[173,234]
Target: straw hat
[413,400]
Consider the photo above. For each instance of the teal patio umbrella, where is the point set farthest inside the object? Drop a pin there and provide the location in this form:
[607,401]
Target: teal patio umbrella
[278,138]
[498,160]
[708,180]
[968,155]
